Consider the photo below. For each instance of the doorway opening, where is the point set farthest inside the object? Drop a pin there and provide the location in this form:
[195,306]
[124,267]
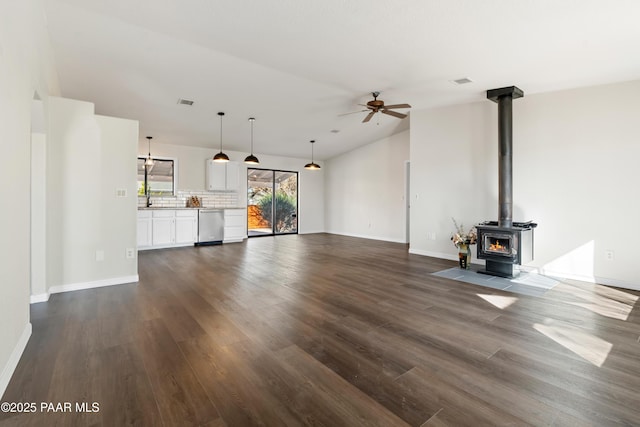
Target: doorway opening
[272,202]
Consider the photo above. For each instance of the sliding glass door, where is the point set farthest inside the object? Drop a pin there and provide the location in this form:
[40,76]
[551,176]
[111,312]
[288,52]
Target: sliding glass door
[272,202]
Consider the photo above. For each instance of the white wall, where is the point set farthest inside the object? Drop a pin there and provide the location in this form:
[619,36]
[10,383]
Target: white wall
[575,167]
[191,176]
[26,67]
[364,190]
[38,214]
[89,227]
[118,153]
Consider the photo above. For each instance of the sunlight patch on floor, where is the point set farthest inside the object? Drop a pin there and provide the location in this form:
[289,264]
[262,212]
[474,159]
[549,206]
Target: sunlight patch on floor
[605,301]
[591,348]
[499,301]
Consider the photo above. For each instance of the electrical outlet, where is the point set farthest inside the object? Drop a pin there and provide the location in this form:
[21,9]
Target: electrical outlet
[609,255]
[99,255]
[121,192]
[431,236]
[130,253]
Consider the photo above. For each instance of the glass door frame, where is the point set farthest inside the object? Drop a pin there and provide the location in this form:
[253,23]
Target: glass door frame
[273,205]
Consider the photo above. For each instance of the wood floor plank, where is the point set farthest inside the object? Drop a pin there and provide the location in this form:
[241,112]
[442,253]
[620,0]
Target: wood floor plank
[351,405]
[225,377]
[179,394]
[118,375]
[461,407]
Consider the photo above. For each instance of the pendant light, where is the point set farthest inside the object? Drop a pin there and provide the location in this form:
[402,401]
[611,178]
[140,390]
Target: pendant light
[251,159]
[312,166]
[221,157]
[149,162]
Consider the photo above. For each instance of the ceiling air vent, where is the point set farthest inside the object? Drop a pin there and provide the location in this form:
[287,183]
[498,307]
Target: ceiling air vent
[185,102]
[463,81]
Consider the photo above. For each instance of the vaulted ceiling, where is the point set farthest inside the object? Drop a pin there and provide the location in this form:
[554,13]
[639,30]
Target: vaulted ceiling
[297,65]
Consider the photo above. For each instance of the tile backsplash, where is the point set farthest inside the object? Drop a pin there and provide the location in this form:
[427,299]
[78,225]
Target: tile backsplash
[209,199]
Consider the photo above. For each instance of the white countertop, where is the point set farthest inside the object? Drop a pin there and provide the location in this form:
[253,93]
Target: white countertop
[144,208]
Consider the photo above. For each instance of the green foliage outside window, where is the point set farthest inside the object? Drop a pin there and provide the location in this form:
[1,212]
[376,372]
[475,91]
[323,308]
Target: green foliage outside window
[285,211]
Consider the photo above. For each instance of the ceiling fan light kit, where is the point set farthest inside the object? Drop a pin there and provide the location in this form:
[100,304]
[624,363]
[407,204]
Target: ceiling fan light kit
[251,159]
[221,157]
[312,165]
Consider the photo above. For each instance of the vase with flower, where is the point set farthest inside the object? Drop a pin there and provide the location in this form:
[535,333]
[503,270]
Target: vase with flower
[463,240]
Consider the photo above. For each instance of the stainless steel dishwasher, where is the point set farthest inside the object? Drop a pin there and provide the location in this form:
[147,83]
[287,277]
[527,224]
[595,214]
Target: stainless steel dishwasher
[210,226]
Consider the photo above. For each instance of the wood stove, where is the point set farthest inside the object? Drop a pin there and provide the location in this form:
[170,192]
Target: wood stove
[505,244]
[504,248]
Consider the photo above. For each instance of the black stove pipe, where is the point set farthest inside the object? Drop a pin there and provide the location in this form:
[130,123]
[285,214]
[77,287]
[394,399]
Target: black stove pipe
[504,97]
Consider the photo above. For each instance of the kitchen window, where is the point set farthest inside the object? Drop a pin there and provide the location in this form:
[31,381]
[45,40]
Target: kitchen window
[158,179]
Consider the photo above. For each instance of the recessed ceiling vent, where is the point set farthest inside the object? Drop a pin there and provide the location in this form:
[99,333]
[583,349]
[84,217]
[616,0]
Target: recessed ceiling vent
[185,102]
[463,81]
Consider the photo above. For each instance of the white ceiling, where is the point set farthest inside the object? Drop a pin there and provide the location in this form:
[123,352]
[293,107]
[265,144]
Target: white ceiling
[296,65]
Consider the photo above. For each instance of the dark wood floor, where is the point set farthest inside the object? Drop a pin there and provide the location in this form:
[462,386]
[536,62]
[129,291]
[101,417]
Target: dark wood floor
[333,331]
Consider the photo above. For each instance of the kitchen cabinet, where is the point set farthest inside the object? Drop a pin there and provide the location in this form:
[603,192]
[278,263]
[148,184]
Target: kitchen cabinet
[235,225]
[144,229]
[186,227]
[165,228]
[222,176]
[233,176]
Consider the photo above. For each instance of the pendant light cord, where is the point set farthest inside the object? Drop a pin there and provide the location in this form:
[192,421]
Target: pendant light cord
[251,120]
[221,114]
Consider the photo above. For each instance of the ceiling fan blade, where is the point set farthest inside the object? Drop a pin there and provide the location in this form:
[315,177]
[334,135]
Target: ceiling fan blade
[398,106]
[366,119]
[352,112]
[394,114]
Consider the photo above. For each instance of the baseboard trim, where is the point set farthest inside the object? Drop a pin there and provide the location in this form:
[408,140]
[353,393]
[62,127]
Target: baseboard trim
[451,257]
[14,358]
[34,299]
[440,255]
[84,285]
[591,279]
[617,283]
[362,236]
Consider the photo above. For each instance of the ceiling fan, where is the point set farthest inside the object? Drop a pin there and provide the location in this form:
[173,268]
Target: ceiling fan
[377,106]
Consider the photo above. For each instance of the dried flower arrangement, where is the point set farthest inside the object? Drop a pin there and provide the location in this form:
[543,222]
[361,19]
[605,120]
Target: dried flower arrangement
[462,237]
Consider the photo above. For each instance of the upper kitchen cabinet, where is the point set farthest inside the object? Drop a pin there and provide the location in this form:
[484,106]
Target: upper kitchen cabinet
[222,176]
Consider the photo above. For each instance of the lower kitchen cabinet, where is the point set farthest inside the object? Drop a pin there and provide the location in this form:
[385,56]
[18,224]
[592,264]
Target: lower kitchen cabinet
[235,225]
[165,228]
[145,230]
[186,227]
